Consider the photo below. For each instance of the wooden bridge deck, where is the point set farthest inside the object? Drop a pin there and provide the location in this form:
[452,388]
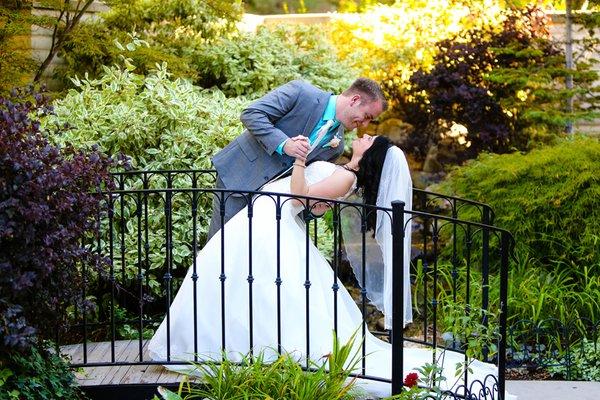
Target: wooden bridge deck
[125,350]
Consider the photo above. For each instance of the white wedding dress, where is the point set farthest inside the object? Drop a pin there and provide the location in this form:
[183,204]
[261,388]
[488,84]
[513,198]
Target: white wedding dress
[293,308]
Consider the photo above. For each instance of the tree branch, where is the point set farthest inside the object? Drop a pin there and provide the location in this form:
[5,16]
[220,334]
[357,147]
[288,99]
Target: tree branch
[59,36]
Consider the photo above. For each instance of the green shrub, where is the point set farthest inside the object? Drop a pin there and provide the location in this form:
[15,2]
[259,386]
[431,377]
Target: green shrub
[549,199]
[252,64]
[173,28]
[36,375]
[160,124]
[16,65]
[248,64]
[259,376]
[92,46]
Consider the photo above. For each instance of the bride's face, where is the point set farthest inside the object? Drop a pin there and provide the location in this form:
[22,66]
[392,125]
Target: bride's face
[360,145]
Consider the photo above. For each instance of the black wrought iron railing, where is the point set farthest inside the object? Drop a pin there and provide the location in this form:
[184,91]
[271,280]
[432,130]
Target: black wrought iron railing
[154,225]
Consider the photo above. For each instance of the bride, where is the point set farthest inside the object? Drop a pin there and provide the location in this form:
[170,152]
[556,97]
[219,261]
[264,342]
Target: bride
[248,300]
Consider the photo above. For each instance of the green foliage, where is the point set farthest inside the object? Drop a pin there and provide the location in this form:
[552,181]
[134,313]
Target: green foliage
[160,124]
[466,329]
[16,64]
[528,78]
[255,376]
[253,64]
[173,28]
[37,375]
[92,46]
[548,199]
[583,361]
[289,6]
[127,324]
[206,19]
[248,64]
[536,292]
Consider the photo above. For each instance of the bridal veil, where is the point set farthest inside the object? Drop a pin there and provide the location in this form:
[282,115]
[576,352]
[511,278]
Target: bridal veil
[395,184]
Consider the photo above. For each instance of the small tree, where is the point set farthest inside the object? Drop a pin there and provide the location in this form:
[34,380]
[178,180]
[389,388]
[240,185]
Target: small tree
[505,84]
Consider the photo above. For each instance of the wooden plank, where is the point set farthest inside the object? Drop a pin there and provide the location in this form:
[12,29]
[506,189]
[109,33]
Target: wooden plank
[125,350]
[134,374]
[110,374]
[152,373]
[136,371]
[97,374]
[70,350]
[116,374]
[169,376]
[97,355]
[76,351]
[130,353]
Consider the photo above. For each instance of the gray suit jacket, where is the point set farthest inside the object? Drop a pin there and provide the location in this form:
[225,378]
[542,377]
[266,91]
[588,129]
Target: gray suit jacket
[250,161]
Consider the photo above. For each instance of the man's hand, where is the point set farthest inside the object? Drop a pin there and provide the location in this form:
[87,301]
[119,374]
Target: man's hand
[297,147]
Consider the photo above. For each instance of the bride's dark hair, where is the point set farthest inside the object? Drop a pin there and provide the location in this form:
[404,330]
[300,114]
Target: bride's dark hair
[369,174]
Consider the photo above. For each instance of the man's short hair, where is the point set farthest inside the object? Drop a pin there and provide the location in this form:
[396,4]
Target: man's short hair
[369,88]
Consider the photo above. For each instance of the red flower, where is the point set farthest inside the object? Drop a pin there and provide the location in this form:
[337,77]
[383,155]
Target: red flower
[411,379]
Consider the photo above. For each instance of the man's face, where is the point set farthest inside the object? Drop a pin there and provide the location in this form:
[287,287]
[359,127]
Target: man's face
[359,112]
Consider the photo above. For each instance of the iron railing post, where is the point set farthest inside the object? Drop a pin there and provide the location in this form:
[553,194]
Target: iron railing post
[397,296]
[505,239]
[485,272]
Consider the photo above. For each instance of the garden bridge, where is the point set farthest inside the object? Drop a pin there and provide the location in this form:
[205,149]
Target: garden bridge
[141,232]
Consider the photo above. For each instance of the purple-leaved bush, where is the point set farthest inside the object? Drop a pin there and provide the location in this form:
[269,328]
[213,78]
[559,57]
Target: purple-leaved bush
[49,198]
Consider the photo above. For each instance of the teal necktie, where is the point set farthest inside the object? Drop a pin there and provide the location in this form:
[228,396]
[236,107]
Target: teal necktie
[320,135]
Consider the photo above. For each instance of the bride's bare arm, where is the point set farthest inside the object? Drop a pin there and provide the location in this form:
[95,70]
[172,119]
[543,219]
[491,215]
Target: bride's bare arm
[332,187]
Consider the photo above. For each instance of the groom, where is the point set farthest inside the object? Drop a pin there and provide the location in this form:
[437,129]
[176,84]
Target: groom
[275,125]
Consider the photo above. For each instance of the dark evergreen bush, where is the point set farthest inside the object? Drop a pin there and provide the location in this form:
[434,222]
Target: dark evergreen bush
[48,202]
